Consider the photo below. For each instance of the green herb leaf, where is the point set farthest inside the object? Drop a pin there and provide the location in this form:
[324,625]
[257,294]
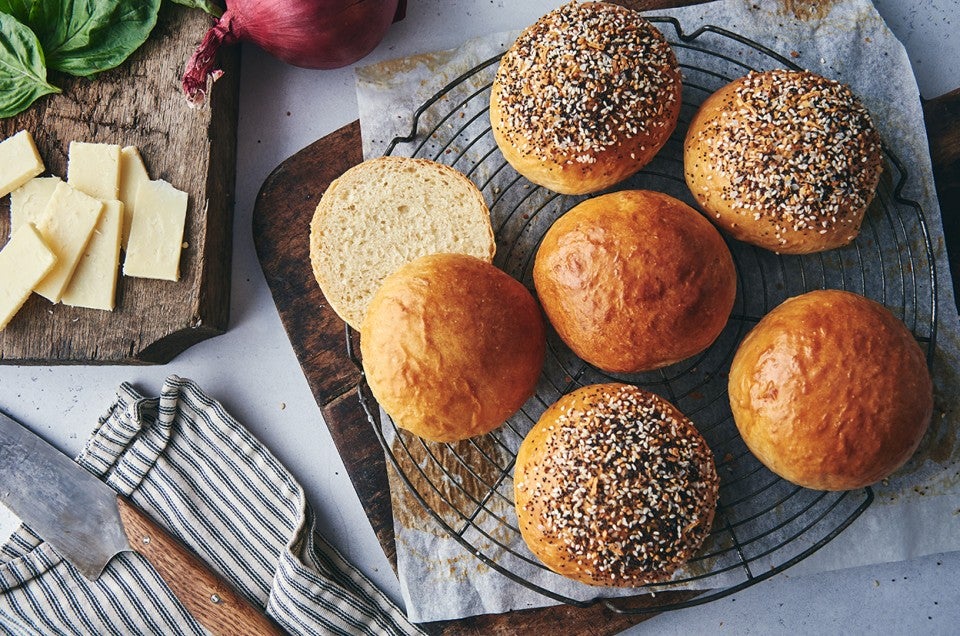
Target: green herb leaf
[23,75]
[204,5]
[84,37]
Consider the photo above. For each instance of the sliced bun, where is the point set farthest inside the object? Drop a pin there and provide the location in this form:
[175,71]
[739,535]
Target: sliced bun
[785,160]
[831,391]
[452,346]
[635,280]
[614,486]
[386,212]
[585,97]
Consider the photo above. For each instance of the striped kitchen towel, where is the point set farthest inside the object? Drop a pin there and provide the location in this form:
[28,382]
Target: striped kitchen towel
[186,462]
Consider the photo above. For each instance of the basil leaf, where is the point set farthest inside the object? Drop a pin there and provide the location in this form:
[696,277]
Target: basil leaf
[23,75]
[84,37]
[205,5]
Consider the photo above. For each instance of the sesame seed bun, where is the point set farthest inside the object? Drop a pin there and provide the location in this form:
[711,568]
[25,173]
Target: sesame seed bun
[585,97]
[785,160]
[451,346]
[831,391]
[635,280]
[614,486]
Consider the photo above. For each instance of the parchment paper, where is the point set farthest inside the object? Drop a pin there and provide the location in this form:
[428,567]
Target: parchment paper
[916,512]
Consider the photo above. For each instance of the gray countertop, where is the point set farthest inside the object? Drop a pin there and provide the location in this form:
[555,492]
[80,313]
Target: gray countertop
[283,109]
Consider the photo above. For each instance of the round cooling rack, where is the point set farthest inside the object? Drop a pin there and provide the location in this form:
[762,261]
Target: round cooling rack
[763,524]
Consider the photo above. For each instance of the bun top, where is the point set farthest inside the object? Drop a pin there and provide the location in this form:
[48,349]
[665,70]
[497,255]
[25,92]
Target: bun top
[831,391]
[614,486]
[576,87]
[452,346]
[788,149]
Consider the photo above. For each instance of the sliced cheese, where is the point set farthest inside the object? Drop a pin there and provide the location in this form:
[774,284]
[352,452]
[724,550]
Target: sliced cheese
[28,202]
[132,174]
[24,261]
[94,282]
[66,226]
[156,234]
[94,169]
[19,161]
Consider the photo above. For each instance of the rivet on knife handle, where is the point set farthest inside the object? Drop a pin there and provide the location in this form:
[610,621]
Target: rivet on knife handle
[208,598]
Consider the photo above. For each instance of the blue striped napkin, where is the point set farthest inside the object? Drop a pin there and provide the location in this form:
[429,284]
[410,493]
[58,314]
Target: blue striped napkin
[192,467]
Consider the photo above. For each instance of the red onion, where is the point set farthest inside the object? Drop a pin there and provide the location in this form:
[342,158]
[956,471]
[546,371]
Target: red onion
[306,33]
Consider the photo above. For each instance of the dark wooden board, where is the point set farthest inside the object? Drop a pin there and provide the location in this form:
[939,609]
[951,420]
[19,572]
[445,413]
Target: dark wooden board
[281,220]
[139,103]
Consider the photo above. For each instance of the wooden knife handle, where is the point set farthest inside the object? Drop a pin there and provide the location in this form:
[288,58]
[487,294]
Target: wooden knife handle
[206,595]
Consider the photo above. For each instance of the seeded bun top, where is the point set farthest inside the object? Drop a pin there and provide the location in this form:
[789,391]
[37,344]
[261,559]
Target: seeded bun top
[614,486]
[585,97]
[786,160]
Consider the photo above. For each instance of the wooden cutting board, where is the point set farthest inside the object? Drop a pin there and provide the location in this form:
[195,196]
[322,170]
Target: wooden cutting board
[281,217]
[139,103]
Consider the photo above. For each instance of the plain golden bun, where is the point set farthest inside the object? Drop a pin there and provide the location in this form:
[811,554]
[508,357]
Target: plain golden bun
[831,391]
[585,97]
[451,346]
[385,212]
[785,160]
[635,280]
[614,486]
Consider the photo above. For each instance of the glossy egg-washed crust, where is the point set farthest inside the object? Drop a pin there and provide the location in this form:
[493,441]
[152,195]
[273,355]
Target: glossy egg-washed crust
[635,280]
[831,391]
[585,97]
[614,486]
[451,346]
[785,160]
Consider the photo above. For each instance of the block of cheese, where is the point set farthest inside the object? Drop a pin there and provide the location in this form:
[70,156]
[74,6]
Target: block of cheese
[156,234]
[132,174]
[19,161]
[28,202]
[94,169]
[94,281]
[24,261]
[66,226]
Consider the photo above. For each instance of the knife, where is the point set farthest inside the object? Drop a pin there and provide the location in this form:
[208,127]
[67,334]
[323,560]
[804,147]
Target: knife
[88,524]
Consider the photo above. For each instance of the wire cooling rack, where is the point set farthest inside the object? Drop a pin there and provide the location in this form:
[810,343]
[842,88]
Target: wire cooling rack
[763,524]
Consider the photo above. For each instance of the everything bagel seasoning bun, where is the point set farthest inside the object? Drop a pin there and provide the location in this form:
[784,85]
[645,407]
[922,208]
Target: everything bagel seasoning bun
[451,346]
[614,486]
[831,391]
[785,160]
[585,97]
[635,280]
[386,212]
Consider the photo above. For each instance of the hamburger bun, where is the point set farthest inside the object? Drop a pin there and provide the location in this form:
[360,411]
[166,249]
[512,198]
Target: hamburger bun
[785,160]
[614,486]
[451,346]
[635,280]
[831,391]
[386,212]
[585,97]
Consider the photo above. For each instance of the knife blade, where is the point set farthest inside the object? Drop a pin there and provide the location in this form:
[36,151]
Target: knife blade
[88,524]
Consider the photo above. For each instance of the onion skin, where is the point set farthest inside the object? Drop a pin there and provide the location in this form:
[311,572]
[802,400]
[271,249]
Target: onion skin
[321,34]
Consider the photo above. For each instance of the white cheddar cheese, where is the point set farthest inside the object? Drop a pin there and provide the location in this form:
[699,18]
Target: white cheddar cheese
[156,235]
[132,174]
[94,282]
[94,169]
[66,226]
[28,202]
[24,261]
[19,161]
